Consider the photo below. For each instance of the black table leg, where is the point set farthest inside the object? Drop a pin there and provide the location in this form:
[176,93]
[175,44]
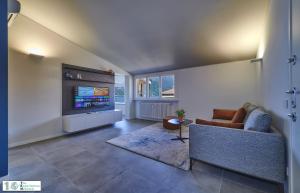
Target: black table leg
[180,136]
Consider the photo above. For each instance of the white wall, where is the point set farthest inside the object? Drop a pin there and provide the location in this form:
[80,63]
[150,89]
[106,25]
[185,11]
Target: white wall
[121,107]
[127,108]
[129,94]
[34,98]
[35,83]
[201,89]
[273,72]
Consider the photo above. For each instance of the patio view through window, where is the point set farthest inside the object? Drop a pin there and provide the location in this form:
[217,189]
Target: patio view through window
[120,89]
[158,86]
[153,87]
[167,86]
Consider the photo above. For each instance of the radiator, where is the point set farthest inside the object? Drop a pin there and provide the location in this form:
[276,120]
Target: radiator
[155,111]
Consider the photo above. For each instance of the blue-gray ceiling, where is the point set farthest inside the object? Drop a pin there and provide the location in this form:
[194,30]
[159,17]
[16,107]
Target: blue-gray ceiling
[154,35]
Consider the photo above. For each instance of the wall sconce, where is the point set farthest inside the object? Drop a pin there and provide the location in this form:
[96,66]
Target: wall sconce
[256,60]
[36,52]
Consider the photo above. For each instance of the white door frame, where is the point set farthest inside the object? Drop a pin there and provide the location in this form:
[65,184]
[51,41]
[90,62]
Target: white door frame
[294,82]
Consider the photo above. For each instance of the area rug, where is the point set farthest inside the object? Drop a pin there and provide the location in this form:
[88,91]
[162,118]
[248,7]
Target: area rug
[155,142]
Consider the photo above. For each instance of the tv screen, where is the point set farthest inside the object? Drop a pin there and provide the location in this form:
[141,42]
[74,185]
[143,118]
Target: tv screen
[92,91]
[89,97]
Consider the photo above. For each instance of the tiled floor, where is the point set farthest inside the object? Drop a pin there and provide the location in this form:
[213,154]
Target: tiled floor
[85,163]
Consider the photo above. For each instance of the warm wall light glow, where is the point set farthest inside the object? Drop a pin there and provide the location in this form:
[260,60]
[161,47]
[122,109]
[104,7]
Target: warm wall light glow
[35,51]
[261,49]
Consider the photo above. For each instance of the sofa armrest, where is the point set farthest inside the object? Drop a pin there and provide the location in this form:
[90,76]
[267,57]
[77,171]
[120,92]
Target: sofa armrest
[220,124]
[254,153]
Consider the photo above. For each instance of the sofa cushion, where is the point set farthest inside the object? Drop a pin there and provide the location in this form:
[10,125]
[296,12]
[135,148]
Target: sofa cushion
[239,116]
[221,120]
[249,108]
[220,124]
[225,114]
[258,120]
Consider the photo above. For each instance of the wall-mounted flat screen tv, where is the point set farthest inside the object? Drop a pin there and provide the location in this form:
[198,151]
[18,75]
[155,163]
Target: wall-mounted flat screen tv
[91,97]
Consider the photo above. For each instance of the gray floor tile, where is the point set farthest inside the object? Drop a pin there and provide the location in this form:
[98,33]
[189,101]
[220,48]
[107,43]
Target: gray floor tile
[152,170]
[129,183]
[24,166]
[76,162]
[188,184]
[200,182]
[94,134]
[61,154]
[207,168]
[209,183]
[105,151]
[91,178]
[108,134]
[229,186]
[60,185]
[40,172]
[84,162]
[251,182]
[22,156]
[20,150]
[51,145]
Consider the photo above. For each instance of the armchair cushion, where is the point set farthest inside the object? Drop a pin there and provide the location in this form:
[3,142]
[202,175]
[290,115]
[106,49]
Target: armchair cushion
[239,116]
[225,114]
[220,124]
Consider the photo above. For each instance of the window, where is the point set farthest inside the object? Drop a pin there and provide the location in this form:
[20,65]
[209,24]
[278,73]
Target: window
[119,94]
[160,86]
[153,83]
[120,89]
[141,87]
[167,86]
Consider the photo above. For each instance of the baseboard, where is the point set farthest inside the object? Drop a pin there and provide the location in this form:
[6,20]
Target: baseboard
[16,144]
[149,119]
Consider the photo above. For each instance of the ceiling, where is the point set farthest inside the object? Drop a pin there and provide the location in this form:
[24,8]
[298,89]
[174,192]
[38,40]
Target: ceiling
[144,36]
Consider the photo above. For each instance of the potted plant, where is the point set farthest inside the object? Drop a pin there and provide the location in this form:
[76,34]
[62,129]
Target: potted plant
[180,114]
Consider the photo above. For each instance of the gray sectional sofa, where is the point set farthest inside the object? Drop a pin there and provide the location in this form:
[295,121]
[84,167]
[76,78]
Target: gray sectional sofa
[256,150]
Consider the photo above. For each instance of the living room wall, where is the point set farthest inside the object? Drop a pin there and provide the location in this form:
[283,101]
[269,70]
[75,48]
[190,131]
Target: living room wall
[227,85]
[274,76]
[200,89]
[273,72]
[35,82]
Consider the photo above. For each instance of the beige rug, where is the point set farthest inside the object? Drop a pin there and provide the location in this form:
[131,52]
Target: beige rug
[155,142]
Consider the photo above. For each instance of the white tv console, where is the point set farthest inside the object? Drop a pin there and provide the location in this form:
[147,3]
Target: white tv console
[79,122]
